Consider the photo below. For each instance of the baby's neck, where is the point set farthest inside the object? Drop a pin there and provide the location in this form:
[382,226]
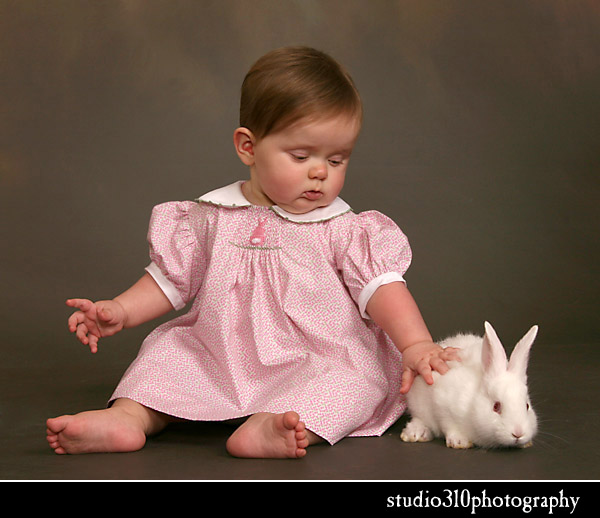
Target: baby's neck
[255,198]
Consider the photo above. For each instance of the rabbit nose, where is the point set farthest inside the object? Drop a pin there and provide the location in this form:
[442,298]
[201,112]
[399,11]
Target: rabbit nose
[518,433]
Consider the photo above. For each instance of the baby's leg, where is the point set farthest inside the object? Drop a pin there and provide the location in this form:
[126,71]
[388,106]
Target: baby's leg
[122,427]
[266,435]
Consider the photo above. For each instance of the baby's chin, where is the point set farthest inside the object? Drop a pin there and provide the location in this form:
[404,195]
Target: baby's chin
[304,206]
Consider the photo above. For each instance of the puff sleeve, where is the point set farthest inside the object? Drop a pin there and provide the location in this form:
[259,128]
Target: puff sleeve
[374,252]
[176,255]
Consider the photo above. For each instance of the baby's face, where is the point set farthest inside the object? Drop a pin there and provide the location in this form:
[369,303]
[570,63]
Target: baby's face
[303,166]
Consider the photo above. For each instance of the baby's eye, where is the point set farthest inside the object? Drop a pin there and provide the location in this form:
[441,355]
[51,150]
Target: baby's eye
[299,157]
[336,161]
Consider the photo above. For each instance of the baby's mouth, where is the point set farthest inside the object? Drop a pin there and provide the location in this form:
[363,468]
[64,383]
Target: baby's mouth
[313,195]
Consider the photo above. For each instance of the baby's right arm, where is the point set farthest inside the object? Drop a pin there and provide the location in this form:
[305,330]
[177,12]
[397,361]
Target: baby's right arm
[142,302]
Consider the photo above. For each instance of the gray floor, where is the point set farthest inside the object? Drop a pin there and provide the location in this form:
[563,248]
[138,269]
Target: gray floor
[564,384]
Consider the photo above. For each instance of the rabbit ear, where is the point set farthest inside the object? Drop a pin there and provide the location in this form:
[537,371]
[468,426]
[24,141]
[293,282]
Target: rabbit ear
[493,355]
[520,355]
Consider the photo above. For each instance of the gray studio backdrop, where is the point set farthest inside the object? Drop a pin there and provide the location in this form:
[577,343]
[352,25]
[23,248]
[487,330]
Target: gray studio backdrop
[481,139]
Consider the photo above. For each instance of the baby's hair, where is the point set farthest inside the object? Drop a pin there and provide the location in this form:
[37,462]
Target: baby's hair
[293,83]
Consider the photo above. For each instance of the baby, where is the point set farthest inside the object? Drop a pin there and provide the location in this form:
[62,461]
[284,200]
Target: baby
[301,325]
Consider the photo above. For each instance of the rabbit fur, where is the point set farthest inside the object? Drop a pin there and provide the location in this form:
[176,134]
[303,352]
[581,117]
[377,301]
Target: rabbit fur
[481,401]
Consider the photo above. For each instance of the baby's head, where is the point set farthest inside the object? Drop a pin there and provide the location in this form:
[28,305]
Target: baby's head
[300,115]
[294,83]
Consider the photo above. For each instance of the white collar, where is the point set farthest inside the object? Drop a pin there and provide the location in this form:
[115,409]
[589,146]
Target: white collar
[231,196]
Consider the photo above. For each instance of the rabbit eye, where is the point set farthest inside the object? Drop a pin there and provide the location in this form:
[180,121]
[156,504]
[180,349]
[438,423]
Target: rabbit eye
[497,407]
[527,406]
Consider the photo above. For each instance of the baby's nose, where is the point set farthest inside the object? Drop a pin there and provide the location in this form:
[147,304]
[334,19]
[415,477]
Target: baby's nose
[318,171]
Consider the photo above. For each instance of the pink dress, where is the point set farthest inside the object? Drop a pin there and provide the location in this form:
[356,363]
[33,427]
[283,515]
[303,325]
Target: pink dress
[277,319]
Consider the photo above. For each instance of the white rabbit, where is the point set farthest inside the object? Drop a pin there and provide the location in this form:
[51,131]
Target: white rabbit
[481,401]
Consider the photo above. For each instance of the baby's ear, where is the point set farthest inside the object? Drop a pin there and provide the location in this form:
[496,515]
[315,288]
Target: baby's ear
[243,140]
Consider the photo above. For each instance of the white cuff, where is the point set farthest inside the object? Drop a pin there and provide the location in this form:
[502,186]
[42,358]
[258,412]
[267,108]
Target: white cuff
[369,289]
[164,284]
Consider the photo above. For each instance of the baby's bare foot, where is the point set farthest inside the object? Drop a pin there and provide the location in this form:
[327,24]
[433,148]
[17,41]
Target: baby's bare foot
[108,430]
[266,435]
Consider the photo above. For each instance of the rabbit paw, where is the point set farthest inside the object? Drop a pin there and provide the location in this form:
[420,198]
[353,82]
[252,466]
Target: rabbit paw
[416,431]
[458,442]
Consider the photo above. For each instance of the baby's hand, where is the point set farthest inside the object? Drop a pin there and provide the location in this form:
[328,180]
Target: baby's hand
[95,320]
[423,358]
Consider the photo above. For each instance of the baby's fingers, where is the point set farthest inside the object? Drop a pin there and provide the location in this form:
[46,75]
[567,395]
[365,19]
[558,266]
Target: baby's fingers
[74,320]
[87,338]
[439,365]
[93,343]
[81,304]
[408,377]
[450,354]
[424,368]
[82,333]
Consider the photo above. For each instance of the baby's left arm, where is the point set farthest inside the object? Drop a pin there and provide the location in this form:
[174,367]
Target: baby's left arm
[393,308]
